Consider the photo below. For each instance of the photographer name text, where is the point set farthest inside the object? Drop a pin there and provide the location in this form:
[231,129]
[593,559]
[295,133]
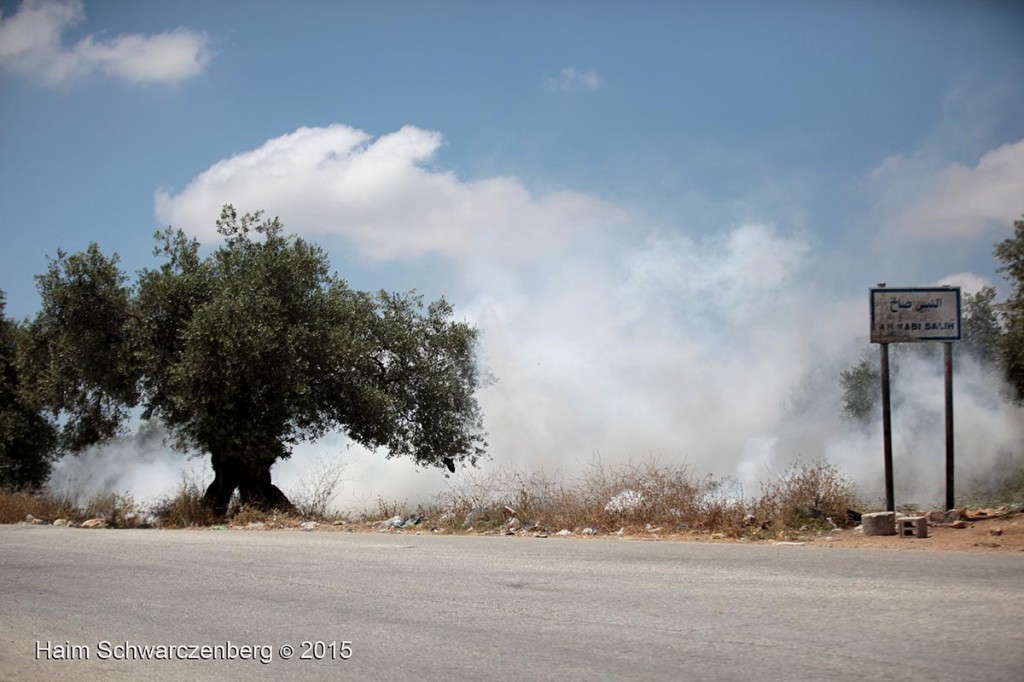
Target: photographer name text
[228,651]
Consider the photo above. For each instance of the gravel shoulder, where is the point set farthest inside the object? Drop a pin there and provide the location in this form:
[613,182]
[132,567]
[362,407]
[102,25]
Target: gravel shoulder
[984,531]
[989,531]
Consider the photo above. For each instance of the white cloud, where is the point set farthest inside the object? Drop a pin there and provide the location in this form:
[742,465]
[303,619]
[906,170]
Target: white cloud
[31,42]
[381,194]
[968,282]
[953,200]
[571,78]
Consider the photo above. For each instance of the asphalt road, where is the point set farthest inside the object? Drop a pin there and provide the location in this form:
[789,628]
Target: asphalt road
[495,608]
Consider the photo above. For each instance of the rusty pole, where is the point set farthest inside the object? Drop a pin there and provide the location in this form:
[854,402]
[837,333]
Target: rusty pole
[890,501]
[949,425]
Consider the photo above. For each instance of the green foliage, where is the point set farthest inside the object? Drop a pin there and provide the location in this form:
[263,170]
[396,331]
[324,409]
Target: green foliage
[980,332]
[27,439]
[1011,347]
[79,352]
[250,350]
[861,386]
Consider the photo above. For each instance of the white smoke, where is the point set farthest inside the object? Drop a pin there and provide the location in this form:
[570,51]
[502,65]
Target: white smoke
[140,464]
[608,336]
[987,429]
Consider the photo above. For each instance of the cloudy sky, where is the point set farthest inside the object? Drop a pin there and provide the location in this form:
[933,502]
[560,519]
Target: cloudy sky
[664,217]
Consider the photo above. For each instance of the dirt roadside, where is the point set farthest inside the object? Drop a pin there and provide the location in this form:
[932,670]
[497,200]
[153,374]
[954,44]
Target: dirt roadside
[989,531]
[992,531]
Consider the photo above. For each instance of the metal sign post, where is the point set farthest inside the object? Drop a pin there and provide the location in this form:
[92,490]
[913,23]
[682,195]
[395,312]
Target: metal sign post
[908,316]
[890,500]
[949,425]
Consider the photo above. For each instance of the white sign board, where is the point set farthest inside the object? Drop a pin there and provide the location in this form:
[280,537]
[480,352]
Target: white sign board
[915,314]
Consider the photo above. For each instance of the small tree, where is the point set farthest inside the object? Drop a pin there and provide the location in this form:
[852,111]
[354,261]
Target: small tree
[1011,347]
[251,350]
[981,334]
[860,389]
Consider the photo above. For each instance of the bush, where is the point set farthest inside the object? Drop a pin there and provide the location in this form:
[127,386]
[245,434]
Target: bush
[806,495]
[185,508]
[119,510]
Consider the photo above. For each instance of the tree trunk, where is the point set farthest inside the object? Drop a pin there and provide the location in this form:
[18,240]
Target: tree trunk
[225,480]
[255,489]
[253,482]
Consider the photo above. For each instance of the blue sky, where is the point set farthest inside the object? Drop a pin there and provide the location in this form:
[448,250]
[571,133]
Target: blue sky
[588,182]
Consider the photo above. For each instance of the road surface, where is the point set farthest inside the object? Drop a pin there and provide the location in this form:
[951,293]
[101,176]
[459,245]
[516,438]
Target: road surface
[81,604]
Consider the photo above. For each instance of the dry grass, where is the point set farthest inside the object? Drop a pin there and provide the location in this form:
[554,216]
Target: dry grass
[119,510]
[633,498]
[1003,485]
[647,496]
[15,506]
[185,509]
[317,491]
[606,498]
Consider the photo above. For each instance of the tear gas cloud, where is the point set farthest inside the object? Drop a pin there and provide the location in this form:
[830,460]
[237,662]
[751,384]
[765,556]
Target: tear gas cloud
[717,353]
[608,337]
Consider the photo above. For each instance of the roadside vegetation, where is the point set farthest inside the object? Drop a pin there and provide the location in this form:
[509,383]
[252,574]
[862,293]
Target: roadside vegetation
[189,340]
[647,497]
[634,497]
[239,354]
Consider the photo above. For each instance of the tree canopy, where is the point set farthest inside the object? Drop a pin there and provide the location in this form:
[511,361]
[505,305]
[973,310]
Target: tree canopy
[249,350]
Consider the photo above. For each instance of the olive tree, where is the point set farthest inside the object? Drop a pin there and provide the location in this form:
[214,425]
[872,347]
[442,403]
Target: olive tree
[250,350]
[27,439]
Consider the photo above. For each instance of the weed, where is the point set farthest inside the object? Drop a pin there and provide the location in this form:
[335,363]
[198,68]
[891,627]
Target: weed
[635,496]
[806,495]
[1003,485]
[603,497]
[386,510]
[186,507]
[317,492]
[119,510]
[244,515]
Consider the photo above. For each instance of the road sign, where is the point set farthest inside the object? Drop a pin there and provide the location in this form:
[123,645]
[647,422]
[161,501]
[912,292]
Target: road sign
[915,314]
[908,315]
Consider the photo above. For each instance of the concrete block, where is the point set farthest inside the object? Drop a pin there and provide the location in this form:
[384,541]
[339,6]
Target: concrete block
[913,527]
[879,523]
